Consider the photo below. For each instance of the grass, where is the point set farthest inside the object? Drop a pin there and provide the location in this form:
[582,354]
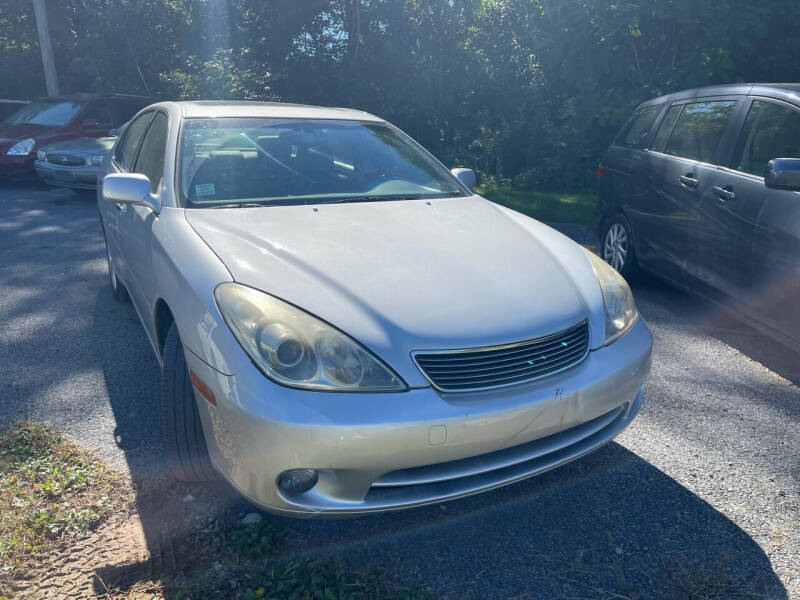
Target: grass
[543,206]
[51,490]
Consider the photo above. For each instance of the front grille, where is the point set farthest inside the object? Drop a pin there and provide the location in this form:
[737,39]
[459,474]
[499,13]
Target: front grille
[65,160]
[481,368]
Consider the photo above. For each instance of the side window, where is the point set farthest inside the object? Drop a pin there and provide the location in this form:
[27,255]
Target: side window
[699,129]
[771,130]
[636,132]
[153,153]
[125,153]
[96,116]
[666,127]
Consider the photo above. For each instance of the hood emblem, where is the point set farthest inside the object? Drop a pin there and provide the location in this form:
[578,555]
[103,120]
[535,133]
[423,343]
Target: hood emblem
[64,159]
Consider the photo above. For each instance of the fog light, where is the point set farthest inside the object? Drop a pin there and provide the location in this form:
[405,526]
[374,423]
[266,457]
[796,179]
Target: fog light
[297,481]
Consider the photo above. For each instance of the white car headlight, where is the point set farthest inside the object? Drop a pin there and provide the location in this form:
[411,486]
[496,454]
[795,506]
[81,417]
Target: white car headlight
[620,308]
[97,158]
[41,155]
[294,348]
[21,148]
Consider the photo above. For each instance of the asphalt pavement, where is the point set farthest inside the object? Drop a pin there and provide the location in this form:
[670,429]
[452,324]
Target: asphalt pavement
[699,498]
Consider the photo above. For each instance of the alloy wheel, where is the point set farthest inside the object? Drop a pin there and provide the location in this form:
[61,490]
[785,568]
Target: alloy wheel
[615,246]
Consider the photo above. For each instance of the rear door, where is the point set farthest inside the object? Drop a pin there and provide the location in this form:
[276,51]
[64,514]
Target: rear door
[681,167]
[763,223]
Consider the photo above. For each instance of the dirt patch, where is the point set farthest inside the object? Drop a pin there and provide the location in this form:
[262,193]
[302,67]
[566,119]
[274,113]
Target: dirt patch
[160,540]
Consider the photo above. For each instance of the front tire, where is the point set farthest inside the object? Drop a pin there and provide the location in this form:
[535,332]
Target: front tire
[616,245]
[181,430]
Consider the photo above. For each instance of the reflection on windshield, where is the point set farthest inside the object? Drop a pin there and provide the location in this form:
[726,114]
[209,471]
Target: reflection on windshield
[45,113]
[280,161]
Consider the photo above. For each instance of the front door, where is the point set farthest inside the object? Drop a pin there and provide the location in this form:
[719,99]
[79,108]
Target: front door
[766,269]
[136,222]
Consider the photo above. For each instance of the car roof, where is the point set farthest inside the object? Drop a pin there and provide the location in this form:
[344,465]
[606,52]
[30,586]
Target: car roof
[786,91]
[86,97]
[227,108]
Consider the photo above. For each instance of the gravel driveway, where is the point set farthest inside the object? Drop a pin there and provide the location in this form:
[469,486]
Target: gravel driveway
[700,498]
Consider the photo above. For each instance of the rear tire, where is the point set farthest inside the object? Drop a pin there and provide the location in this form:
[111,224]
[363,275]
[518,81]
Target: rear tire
[616,245]
[181,430]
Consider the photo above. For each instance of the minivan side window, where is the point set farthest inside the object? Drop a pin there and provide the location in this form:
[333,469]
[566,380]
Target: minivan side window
[666,127]
[635,134]
[699,129]
[771,130]
[125,153]
[153,153]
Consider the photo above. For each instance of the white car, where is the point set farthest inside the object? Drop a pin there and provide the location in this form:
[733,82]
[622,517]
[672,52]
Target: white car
[343,326]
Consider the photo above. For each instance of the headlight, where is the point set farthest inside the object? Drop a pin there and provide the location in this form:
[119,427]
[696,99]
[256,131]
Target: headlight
[21,148]
[296,349]
[97,158]
[617,297]
[41,155]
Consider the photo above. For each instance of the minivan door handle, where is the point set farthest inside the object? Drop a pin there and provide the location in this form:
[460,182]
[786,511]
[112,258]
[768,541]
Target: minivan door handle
[688,180]
[724,193]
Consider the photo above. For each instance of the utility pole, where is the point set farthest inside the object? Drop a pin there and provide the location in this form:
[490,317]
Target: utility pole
[50,76]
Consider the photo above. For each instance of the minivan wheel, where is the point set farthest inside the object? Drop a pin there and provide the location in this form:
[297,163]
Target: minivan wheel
[617,245]
[181,430]
[118,290]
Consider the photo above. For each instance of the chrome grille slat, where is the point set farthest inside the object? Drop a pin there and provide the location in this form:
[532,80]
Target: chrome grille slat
[481,368]
[528,351]
[518,361]
[545,365]
[471,355]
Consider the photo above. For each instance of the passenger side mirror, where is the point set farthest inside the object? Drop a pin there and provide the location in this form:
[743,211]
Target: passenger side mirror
[130,188]
[783,174]
[465,176]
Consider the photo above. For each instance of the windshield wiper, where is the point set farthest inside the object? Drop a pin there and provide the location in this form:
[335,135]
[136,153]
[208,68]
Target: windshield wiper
[369,199]
[239,205]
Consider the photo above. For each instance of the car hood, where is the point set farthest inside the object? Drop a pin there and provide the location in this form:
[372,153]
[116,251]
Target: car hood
[86,145]
[409,275]
[9,134]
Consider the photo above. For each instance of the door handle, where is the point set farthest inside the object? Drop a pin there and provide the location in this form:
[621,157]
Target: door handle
[688,180]
[724,193]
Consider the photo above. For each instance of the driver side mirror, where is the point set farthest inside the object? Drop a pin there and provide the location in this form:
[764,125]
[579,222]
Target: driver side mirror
[130,188]
[465,176]
[783,174]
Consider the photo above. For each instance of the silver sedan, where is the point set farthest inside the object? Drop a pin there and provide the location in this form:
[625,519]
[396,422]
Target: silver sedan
[343,325]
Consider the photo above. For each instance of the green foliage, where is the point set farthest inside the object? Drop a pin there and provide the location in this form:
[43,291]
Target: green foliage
[326,580]
[258,540]
[544,206]
[513,87]
[49,489]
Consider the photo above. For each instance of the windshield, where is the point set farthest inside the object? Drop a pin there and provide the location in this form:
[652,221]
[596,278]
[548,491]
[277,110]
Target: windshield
[280,161]
[45,113]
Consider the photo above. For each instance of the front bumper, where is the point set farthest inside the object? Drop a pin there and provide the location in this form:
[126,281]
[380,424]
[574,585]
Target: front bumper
[378,452]
[84,176]
[14,167]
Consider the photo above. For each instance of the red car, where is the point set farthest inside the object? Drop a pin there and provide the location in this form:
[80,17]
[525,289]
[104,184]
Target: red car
[55,119]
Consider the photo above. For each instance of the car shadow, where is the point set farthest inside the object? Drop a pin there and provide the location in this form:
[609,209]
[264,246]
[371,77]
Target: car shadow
[609,525]
[721,324]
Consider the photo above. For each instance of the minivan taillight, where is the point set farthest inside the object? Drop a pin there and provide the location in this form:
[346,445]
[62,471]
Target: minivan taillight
[601,172]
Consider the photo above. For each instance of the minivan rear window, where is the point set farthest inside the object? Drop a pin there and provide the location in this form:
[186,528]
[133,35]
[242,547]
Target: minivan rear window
[699,129]
[634,135]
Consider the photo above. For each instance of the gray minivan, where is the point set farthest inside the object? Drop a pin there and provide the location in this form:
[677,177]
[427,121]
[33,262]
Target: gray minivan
[701,188]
